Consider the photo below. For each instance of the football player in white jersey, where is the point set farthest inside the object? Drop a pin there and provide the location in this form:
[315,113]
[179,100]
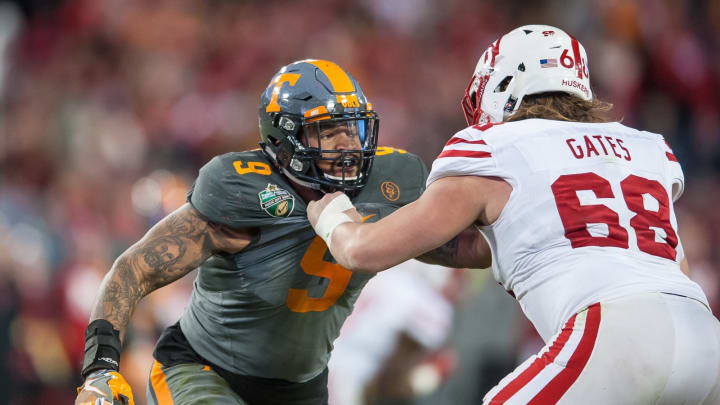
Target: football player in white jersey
[579,225]
[392,334]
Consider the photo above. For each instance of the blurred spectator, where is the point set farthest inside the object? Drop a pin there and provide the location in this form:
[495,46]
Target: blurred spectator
[392,348]
[107,110]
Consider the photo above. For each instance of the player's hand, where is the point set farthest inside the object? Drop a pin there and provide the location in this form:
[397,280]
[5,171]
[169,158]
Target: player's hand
[315,208]
[105,387]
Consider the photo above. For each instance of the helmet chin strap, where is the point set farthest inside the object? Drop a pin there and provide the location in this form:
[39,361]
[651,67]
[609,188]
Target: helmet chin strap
[314,186]
[303,183]
[288,174]
[327,176]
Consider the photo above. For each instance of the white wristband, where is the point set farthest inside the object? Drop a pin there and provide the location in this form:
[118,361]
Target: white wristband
[332,216]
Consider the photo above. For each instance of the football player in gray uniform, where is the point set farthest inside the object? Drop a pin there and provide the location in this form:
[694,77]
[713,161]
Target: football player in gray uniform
[269,299]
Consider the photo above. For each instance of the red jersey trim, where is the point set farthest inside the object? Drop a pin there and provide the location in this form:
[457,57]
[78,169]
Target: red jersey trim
[465,153]
[455,140]
[485,127]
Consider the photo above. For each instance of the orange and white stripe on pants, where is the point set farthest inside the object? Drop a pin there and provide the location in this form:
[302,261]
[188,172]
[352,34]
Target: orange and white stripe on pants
[546,377]
[159,385]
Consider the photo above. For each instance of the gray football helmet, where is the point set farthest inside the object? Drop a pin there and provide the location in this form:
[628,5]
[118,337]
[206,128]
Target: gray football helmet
[304,99]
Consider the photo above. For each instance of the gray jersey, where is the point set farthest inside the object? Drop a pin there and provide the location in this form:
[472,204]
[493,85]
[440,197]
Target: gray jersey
[274,309]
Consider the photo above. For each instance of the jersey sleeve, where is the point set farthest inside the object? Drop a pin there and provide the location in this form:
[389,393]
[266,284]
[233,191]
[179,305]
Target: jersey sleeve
[465,154]
[676,176]
[223,196]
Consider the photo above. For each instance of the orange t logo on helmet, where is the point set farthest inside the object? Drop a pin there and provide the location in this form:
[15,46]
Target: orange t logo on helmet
[290,78]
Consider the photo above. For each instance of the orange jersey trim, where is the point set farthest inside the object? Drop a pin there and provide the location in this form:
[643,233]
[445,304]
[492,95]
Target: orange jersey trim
[159,385]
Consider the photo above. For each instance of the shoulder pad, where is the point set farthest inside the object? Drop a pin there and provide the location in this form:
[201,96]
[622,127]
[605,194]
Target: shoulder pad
[241,189]
[397,177]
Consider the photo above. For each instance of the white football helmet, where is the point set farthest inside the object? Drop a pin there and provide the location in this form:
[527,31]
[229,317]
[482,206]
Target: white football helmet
[528,60]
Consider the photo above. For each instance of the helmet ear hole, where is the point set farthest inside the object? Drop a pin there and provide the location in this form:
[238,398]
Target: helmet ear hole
[502,86]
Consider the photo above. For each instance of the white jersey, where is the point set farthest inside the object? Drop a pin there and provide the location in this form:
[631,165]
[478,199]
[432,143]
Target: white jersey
[590,217]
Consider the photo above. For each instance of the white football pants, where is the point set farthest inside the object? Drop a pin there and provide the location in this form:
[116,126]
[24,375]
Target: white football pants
[642,349]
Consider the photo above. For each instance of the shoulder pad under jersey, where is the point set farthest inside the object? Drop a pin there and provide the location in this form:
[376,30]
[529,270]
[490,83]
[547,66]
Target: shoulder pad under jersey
[397,177]
[241,189]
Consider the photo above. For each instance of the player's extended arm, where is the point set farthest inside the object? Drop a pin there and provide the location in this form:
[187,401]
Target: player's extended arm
[176,245]
[468,249]
[172,248]
[449,206]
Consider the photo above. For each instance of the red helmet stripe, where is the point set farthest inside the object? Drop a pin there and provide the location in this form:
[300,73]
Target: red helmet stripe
[577,57]
[471,102]
[495,51]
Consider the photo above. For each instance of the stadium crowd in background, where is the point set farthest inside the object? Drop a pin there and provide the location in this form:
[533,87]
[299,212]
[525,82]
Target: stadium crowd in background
[107,110]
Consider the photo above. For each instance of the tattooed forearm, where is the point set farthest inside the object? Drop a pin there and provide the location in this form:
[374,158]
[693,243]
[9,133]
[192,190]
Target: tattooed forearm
[117,299]
[172,248]
[445,255]
[468,249]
